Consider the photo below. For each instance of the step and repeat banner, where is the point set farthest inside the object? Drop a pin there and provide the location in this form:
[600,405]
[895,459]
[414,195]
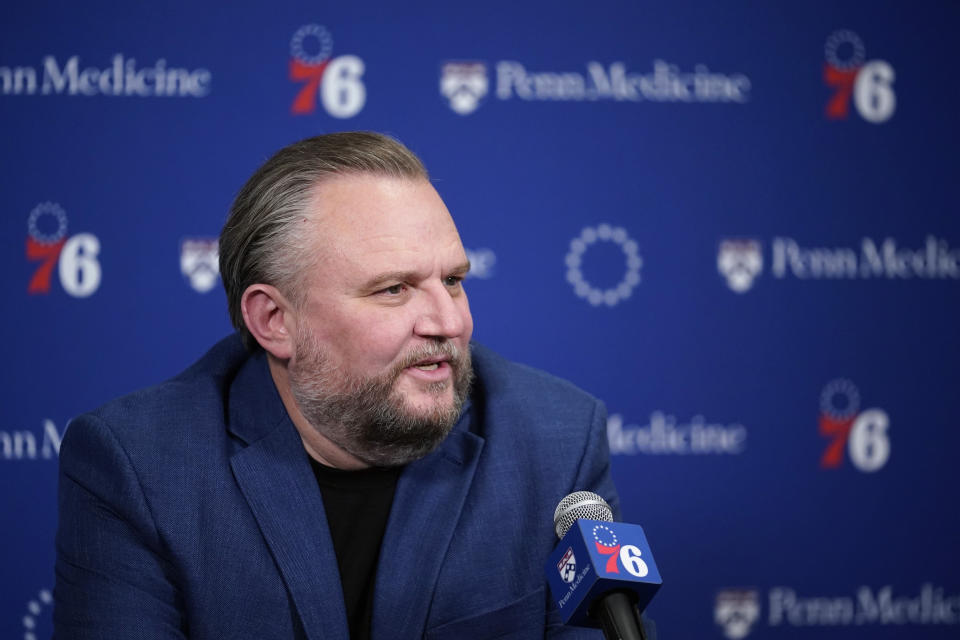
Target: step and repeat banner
[735,223]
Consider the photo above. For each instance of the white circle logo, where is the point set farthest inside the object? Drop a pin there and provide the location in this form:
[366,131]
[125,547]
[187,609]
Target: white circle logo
[48,209]
[840,399]
[631,276]
[34,609]
[324,43]
[836,40]
[605,536]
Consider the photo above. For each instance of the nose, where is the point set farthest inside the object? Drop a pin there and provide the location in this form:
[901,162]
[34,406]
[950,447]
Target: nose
[442,314]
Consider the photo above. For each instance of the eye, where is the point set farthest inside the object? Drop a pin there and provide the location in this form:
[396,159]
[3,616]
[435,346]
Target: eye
[453,281]
[393,290]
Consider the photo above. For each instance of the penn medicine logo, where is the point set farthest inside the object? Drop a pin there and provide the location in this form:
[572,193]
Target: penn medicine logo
[862,434]
[736,610]
[482,263]
[200,262]
[24,444]
[464,85]
[740,261]
[75,257]
[122,77]
[568,566]
[336,81]
[866,84]
[665,435]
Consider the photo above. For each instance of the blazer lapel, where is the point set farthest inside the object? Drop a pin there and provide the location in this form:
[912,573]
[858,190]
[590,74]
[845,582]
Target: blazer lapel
[275,477]
[429,497]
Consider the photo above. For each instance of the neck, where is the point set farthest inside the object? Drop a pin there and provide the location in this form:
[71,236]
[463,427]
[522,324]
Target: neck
[318,446]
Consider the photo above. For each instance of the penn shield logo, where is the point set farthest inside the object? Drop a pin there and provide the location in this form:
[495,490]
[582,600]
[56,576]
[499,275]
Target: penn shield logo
[482,263]
[740,261]
[736,611]
[863,435]
[568,566]
[200,262]
[75,257]
[464,84]
[868,85]
[336,81]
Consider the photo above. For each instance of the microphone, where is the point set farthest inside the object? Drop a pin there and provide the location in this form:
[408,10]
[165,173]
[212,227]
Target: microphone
[602,574]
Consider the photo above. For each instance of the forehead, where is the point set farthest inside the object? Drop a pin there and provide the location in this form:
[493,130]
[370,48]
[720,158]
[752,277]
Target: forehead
[376,222]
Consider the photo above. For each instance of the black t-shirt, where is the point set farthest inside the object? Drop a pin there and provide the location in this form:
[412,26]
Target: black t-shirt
[357,504]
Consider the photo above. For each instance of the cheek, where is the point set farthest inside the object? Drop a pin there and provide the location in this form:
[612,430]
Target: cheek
[374,340]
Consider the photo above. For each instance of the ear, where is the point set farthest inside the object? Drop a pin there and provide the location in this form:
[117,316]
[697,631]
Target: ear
[270,317]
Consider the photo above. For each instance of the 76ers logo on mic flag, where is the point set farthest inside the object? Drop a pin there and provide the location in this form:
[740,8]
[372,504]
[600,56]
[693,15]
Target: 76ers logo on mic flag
[595,557]
[630,556]
[336,81]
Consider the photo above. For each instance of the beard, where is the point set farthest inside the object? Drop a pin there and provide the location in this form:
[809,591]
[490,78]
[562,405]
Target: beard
[367,416]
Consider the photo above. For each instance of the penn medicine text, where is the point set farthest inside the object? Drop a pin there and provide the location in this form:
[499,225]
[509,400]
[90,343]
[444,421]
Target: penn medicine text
[666,83]
[122,77]
[935,260]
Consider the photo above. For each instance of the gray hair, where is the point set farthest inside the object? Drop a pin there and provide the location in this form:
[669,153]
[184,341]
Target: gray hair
[260,243]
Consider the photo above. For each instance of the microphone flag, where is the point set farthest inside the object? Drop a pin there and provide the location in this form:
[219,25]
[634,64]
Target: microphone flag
[594,558]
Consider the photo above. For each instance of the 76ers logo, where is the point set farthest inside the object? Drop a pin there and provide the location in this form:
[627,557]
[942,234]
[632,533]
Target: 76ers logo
[629,555]
[869,83]
[48,244]
[862,433]
[337,81]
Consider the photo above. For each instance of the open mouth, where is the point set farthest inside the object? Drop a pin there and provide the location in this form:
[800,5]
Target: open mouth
[430,364]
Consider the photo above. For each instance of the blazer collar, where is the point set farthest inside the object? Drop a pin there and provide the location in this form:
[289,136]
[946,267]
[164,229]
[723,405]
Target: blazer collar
[274,474]
[255,407]
[427,505]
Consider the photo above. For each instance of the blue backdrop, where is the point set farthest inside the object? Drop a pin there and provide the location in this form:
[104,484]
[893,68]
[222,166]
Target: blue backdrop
[733,222]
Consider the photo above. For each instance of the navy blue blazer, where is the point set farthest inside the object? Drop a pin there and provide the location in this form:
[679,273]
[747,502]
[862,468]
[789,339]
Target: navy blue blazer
[189,509]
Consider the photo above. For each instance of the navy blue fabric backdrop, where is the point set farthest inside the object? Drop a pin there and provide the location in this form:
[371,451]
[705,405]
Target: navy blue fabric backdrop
[733,222]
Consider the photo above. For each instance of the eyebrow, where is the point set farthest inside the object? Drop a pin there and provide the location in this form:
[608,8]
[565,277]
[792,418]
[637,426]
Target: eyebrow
[383,279]
[461,269]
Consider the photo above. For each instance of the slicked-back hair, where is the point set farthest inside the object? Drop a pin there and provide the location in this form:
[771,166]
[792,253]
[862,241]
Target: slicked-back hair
[261,242]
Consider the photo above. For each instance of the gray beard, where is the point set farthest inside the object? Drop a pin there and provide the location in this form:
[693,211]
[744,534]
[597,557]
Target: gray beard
[368,417]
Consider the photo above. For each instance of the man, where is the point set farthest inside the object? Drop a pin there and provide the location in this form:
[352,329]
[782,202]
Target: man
[350,465]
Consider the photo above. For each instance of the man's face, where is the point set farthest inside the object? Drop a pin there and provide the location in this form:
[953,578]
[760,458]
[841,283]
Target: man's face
[382,363]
